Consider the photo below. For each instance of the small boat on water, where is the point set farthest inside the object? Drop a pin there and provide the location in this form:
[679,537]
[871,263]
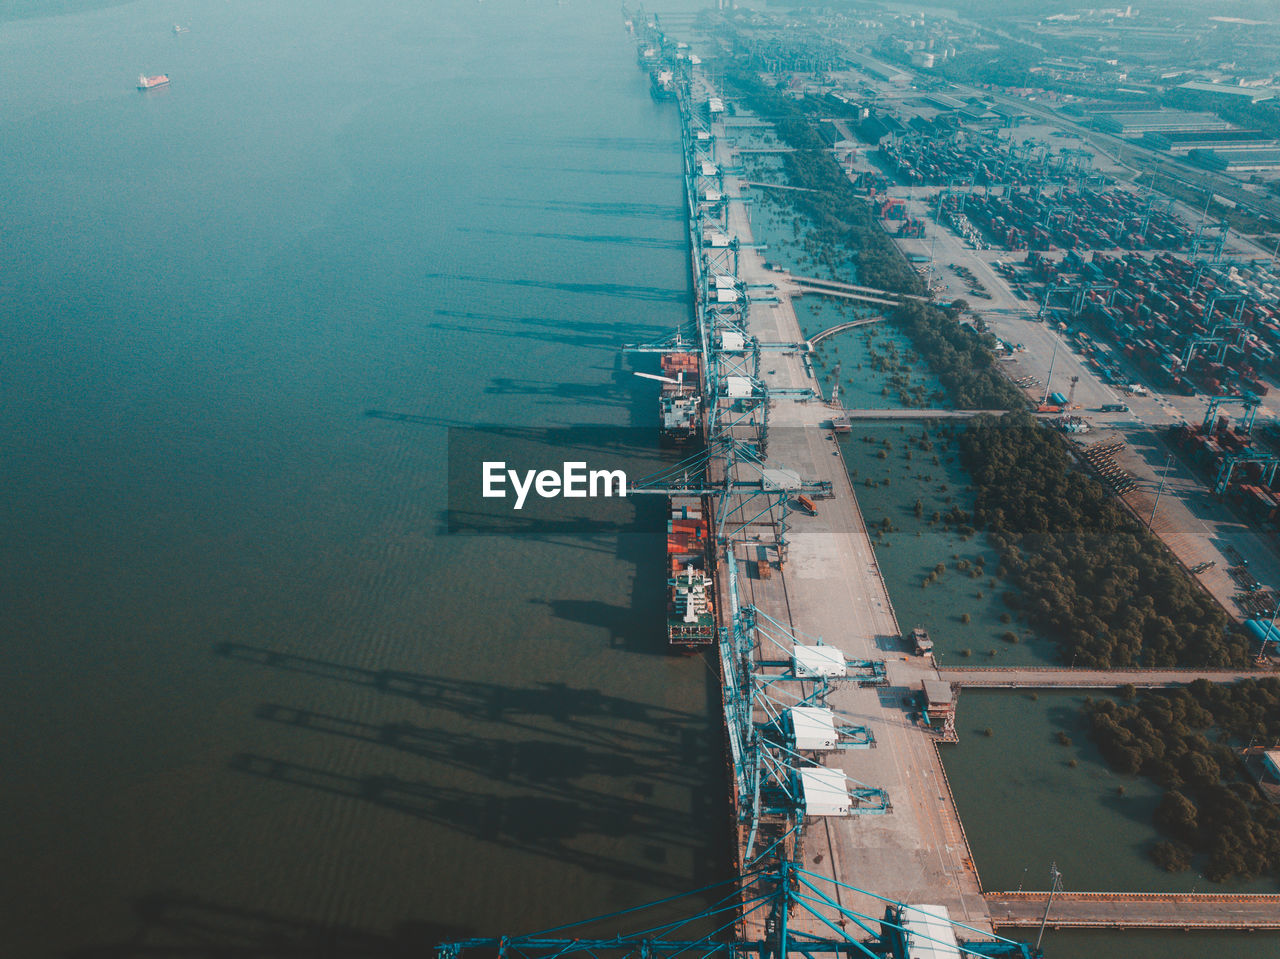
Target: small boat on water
[150,83]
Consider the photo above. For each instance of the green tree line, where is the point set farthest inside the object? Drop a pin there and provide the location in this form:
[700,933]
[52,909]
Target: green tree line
[960,356]
[1209,808]
[1089,575]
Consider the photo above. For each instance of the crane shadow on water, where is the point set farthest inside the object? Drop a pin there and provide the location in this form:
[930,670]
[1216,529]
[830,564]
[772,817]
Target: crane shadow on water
[577,333]
[564,789]
[586,717]
[601,782]
[651,294]
[539,763]
[573,831]
[618,209]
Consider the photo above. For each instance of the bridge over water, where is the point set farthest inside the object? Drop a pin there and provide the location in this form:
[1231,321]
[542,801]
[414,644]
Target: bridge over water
[841,327]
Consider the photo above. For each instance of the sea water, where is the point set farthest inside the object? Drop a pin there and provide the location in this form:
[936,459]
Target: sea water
[255,691]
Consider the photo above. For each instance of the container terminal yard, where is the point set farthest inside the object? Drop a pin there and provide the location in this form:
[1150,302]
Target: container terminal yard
[848,838]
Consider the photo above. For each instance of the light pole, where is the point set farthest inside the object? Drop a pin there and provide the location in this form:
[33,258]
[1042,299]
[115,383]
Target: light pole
[1152,518]
[1055,887]
[1270,633]
[1049,379]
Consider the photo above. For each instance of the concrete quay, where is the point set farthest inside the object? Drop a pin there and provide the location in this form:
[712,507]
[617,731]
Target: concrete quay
[830,587]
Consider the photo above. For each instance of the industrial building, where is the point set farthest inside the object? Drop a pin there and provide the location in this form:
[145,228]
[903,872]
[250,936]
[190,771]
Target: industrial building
[944,101]
[1237,161]
[1183,142]
[1251,94]
[1139,122]
[938,705]
[1271,759]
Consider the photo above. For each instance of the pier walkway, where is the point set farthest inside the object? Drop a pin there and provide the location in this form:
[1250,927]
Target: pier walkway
[1140,910]
[819,415]
[920,414]
[1030,677]
[816,284]
[777,186]
[798,289]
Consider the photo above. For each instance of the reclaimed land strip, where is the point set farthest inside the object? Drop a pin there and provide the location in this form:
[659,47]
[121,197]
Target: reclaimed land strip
[1136,910]
[830,586]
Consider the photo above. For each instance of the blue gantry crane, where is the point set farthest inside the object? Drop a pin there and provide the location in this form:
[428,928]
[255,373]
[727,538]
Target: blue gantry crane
[776,912]
[780,724]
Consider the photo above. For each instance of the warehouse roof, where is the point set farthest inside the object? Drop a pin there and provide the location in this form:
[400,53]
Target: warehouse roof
[929,933]
[1130,122]
[1252,94]
[1272,759]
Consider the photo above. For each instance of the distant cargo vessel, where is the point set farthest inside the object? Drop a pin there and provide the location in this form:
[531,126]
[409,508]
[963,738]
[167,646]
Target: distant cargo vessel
[150,83]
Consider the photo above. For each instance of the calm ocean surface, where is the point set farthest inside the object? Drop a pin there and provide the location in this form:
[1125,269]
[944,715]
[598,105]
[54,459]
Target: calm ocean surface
[254,696]
[256,701]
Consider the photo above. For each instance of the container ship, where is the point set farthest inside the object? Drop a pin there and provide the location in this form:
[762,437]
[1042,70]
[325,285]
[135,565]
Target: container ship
[691,621]
[150,83]
[680,403]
